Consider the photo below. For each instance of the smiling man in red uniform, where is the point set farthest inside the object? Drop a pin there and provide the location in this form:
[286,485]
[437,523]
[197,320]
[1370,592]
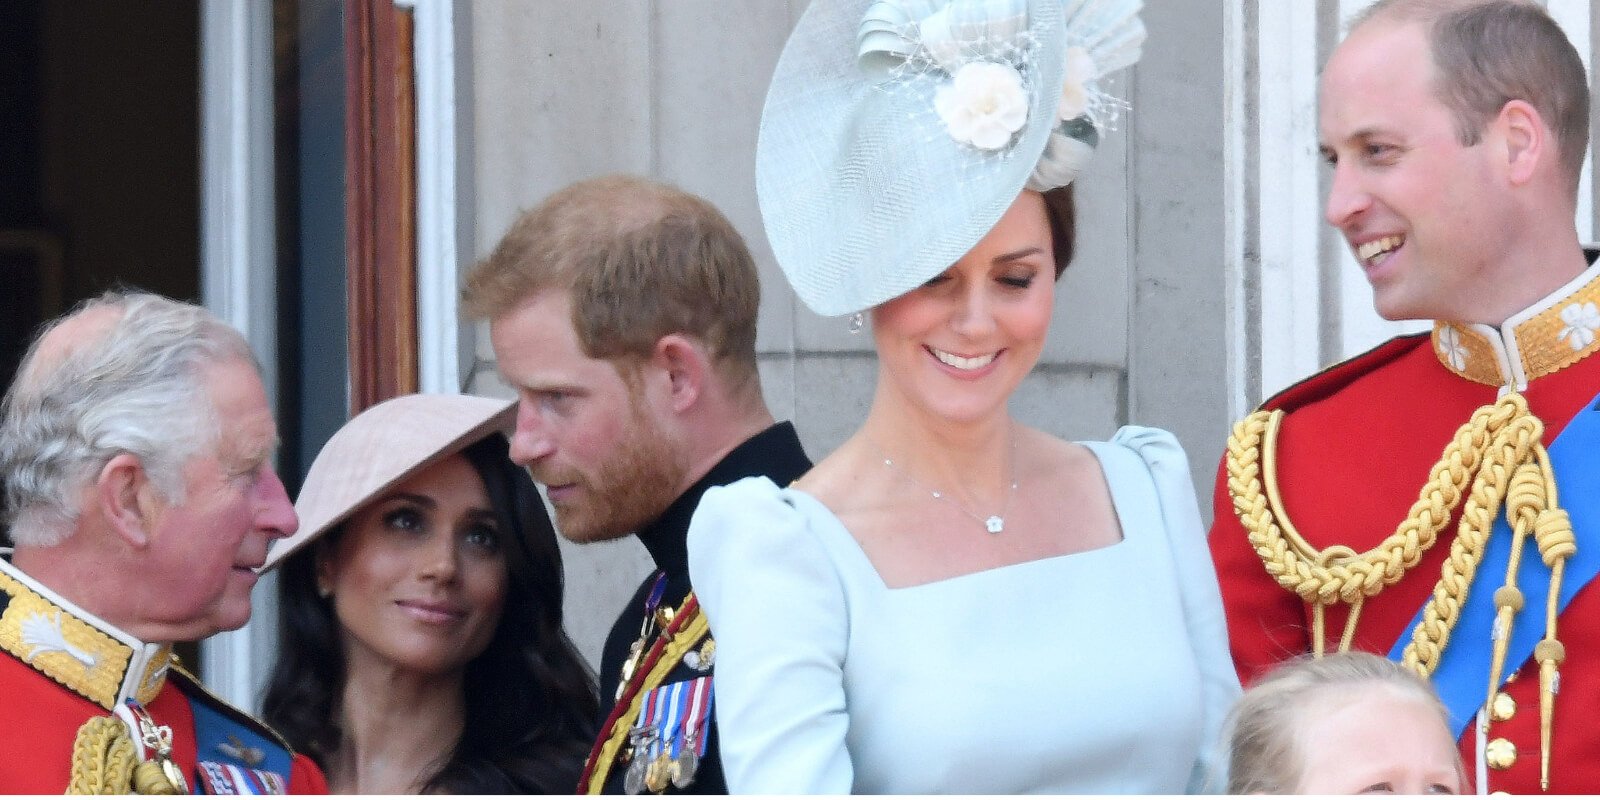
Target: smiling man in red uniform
[136,448]
[1432,498]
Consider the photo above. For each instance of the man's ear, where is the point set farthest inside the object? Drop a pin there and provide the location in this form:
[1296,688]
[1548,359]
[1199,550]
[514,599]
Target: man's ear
[686,366]
[127,499]
[1528,142]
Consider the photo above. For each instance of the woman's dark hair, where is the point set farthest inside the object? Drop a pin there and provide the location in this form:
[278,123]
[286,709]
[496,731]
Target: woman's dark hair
[1062,212]
[530,699]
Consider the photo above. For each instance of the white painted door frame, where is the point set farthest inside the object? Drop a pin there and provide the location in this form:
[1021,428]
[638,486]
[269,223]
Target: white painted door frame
[238,263]
[238,260]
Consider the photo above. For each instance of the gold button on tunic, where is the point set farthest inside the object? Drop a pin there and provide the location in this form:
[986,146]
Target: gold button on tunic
[1500,753]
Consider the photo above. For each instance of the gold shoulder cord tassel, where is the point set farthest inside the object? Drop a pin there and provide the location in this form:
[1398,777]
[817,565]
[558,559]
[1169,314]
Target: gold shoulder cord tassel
[1498,453]
[103,762]
[1531,506]
[1557,543]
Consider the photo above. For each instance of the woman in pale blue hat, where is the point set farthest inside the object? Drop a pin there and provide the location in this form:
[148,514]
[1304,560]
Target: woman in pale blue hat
[952,601]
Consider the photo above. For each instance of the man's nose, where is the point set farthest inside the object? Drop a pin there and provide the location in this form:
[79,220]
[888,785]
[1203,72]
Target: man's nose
[531,440]
[276,514]
[1347,198]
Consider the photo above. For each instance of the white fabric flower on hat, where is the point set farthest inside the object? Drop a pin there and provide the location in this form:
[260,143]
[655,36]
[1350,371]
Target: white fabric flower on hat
[1075,89]
[983,104]
[1582,323]
[1451,347]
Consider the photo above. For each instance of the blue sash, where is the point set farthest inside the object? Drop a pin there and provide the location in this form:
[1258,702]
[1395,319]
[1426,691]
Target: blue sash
[1462,675]
[222,741]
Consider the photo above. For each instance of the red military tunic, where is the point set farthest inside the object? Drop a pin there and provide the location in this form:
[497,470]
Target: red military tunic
[1355,447]
[61,667]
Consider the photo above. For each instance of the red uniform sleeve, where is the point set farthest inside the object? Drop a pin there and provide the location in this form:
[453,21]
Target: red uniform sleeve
[1266,623]
[305,777]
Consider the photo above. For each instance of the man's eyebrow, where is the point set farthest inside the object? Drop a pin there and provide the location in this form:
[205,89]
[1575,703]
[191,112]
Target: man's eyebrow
[1361,134]
[258,453]
[546,386]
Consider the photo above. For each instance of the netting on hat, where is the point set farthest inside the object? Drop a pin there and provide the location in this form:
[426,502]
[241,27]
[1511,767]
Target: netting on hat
[864,191]
[893,137]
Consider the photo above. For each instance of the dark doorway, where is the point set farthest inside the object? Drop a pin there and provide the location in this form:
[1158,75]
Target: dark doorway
[99,109]
[99,157]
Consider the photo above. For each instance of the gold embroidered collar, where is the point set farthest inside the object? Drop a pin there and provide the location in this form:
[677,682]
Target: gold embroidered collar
[75,648]
[1551,335]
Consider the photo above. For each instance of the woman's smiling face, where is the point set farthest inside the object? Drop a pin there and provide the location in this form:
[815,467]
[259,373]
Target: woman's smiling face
[418,577]
[958,346]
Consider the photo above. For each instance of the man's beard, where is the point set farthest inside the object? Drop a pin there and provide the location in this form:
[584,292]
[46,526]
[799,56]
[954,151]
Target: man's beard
[629,490]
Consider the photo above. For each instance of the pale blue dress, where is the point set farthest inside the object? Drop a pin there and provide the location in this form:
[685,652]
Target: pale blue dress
[1105,671]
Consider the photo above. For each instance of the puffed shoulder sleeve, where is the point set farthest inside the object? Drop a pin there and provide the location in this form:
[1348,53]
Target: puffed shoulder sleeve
[777,611]
[1202,601]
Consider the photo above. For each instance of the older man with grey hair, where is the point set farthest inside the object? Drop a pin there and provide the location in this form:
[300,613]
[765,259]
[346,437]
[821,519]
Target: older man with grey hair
[136,448]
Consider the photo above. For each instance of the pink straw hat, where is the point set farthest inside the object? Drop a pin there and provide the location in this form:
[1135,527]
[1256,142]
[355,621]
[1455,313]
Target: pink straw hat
[383,446]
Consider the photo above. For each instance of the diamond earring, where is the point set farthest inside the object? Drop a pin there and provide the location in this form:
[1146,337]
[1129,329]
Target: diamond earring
[857,321]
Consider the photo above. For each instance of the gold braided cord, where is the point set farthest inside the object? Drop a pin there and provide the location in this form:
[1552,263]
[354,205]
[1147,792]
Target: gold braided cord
[1350,625]
[1482,455]
[1339,573]
[104,762]
[149,779]
[1500,454]
[1508,448]
[102,758]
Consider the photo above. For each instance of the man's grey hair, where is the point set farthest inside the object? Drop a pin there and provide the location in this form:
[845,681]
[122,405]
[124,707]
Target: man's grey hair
[136,386]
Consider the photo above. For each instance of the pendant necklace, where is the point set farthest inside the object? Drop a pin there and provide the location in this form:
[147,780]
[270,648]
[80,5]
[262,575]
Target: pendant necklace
[994,523]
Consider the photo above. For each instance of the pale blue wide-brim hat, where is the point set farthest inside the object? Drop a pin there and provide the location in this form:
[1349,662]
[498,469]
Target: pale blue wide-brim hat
[879,164]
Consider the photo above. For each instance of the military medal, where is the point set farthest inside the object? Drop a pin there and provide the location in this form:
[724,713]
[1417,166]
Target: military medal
[641,742]
[684,766]
[628,666]
[670,738]
[696,721]
[633,779]
[647,628]
[158,740]
[656,776]
[657,733]
[702,659]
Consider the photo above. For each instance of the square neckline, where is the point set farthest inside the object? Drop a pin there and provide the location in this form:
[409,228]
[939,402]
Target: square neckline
[1119,508]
